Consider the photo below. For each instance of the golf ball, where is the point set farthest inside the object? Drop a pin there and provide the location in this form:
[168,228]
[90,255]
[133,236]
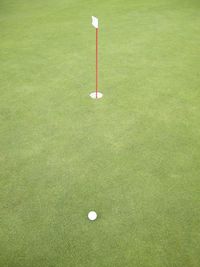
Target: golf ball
[92,215]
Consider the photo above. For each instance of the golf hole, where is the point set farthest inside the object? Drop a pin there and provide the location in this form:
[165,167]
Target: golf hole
[95,95]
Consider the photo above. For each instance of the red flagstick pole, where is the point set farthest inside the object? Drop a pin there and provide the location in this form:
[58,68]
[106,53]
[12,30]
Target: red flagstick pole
[96,62]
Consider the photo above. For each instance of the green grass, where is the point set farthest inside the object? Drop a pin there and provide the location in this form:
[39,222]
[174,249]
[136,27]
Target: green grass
[133,156]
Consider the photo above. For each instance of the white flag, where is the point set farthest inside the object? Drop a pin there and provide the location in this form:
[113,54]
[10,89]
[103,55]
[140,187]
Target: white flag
[95,22]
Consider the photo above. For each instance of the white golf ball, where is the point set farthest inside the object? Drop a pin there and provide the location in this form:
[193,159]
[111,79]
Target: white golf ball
[92,215]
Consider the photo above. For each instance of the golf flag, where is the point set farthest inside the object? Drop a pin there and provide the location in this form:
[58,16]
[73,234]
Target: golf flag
[95,22]
[96,94]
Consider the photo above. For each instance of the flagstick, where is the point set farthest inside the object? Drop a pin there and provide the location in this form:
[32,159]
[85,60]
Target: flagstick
[96,62]
[96,94]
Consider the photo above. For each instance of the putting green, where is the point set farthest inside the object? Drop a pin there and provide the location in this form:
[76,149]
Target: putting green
[132,156]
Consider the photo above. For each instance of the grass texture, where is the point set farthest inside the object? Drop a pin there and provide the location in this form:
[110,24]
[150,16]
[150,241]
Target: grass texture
[133,156]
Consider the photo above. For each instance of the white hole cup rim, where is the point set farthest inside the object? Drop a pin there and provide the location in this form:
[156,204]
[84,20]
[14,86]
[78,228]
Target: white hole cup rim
[95,95]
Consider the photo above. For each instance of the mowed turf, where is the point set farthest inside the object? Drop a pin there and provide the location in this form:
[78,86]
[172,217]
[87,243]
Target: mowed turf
[133,156]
